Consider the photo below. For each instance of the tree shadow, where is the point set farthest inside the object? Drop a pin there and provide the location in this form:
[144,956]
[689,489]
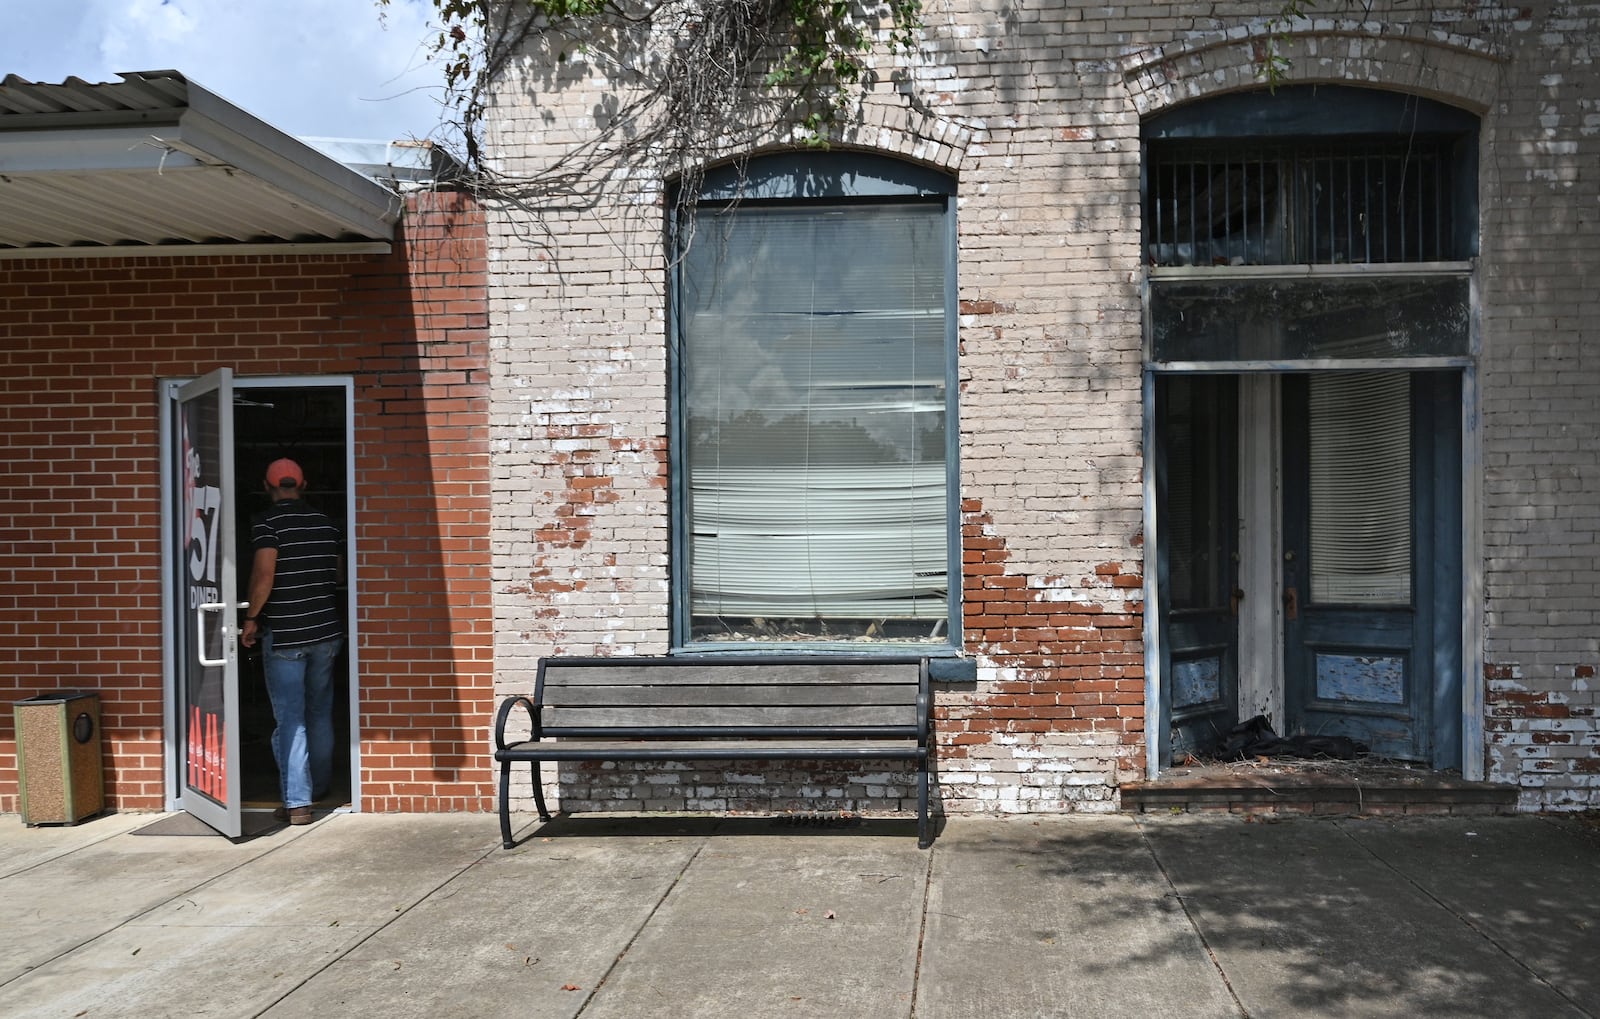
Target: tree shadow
[1412,917]
[1359,917]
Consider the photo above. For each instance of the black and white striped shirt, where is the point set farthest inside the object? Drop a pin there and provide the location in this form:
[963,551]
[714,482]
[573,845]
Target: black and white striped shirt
[304,606]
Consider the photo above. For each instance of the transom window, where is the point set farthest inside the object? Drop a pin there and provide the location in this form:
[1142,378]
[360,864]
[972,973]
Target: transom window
[1368,194]
[812,454]
[1310,175]
[1360,201]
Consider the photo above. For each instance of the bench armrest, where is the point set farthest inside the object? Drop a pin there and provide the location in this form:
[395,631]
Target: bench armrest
[505,712]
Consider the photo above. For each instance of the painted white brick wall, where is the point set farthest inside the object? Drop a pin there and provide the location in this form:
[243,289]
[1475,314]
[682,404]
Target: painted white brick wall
[1037,112]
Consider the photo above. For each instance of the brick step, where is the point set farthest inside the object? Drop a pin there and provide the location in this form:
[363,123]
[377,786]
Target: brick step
[1293,792]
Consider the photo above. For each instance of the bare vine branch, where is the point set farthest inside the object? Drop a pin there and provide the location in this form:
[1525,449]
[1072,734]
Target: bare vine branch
[696,80]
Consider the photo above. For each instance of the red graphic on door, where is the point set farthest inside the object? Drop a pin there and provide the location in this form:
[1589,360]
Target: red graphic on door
[208,759]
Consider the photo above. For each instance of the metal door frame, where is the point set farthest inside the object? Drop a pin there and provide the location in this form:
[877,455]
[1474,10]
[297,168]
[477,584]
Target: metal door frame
[222,813]
[171,751]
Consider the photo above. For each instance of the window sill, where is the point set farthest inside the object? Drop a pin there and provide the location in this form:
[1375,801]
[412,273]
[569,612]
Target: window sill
[945,663]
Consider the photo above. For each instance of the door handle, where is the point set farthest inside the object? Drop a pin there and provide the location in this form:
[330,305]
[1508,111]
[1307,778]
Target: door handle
[1291,603]
[1234,599]
[200,630]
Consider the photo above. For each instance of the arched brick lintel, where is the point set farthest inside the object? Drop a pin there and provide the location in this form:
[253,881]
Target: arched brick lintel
[884,127]
[1458,70]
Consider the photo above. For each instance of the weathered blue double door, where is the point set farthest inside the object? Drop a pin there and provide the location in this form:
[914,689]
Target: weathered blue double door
[1366,537]
[1197,561]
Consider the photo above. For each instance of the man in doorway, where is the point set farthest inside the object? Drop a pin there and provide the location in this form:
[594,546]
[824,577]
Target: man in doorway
[294,611]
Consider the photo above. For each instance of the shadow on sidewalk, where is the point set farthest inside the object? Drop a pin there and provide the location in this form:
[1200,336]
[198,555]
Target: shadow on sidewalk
[654,826]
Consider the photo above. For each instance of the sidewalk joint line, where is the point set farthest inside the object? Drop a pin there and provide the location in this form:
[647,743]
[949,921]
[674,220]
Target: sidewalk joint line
[1194,922]
[633,938]
[922,930]
[1464,920]
[380,928]
[133,917]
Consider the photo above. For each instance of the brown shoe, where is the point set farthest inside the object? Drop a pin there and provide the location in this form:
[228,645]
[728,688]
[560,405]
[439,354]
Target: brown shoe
[299,815]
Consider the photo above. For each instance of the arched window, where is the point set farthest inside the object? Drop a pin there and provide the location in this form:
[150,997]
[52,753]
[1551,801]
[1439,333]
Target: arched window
[812,448]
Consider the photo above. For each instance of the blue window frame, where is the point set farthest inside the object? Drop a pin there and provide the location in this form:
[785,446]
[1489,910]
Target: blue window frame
[813,426]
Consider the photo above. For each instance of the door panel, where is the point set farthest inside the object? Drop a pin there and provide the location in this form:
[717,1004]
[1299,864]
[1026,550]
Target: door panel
[1369,556]
[205,626]
[1197,569]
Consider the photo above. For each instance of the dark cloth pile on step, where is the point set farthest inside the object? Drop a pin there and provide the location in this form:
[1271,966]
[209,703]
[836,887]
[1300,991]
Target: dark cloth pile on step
[1254,738]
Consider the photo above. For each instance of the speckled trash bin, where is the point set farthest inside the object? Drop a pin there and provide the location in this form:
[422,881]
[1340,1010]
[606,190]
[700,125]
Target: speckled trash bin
[59,758]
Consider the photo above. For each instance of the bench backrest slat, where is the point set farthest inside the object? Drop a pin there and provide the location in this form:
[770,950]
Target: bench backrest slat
[799,716]
[733,674]
[685,692]
[722,695]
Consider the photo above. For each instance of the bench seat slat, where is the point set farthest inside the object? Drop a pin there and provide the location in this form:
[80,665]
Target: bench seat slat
[798,732]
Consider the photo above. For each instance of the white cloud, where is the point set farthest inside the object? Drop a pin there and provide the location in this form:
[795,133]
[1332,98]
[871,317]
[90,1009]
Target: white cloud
[334,68]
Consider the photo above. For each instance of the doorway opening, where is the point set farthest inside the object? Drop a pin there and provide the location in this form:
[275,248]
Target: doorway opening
[1308,559]
[309,422]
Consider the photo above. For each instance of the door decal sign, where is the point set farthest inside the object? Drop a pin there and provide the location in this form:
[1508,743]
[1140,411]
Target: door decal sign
[200,546]
[208,759]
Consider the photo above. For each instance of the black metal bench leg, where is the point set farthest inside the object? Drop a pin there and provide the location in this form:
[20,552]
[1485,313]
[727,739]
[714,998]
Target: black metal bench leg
[924,840]
[505,805]
[538,793]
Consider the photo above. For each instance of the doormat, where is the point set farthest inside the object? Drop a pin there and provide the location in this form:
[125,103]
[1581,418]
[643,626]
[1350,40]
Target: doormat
[253,823]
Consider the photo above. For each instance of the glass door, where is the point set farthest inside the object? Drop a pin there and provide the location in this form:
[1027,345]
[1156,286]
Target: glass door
[1371,560]
[204,622]
[1197,563]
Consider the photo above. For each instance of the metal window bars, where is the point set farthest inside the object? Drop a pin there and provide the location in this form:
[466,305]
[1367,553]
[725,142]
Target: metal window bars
[1362,201]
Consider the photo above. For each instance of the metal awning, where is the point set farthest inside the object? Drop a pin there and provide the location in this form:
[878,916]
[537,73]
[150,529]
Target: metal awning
[155,164]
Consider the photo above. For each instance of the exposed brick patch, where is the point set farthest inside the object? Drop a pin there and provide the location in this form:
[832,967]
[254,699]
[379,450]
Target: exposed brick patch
[574,513]
[759,787]
[1058,710]
[1540,734]
[983,308]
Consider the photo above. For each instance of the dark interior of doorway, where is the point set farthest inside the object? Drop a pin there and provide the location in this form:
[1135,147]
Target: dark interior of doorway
[308,425]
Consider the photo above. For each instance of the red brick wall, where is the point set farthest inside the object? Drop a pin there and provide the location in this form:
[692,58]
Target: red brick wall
[83,343]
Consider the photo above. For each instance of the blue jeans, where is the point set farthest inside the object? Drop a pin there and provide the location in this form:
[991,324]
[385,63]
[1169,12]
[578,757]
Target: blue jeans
[300,686]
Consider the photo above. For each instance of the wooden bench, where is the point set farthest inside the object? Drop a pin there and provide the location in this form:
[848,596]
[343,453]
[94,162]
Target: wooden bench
[790,707]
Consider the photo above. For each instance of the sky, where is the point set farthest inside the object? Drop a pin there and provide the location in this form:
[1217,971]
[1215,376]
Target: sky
[311,68]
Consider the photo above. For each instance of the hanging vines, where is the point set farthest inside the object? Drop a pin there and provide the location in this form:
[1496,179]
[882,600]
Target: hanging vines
[694,79]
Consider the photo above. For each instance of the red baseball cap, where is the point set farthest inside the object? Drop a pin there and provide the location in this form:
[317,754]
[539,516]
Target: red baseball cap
[285,474]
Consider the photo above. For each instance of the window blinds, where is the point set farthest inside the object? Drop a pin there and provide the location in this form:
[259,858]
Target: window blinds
[813,375]
[1361,488]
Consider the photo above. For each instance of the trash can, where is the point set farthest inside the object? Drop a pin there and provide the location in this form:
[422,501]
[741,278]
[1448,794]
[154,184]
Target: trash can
[59,757]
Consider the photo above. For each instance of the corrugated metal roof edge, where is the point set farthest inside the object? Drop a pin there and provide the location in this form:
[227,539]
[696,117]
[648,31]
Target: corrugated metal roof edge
[245,141]
[144,93]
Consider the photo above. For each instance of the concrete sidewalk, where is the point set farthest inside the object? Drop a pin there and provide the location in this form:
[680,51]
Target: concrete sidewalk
[603,917]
